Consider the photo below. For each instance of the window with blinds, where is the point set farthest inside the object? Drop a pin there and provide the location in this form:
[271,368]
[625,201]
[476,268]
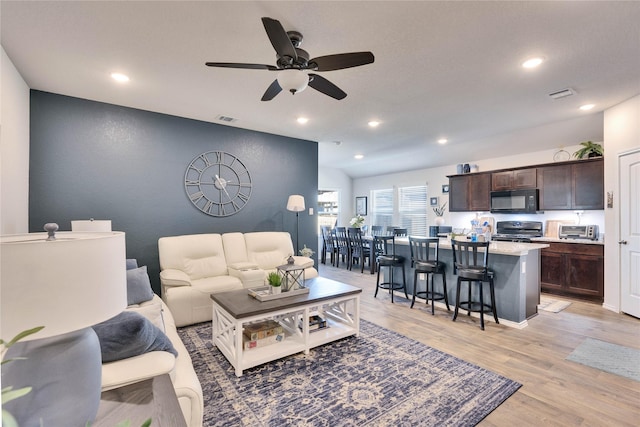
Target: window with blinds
[382,207]
[412,209]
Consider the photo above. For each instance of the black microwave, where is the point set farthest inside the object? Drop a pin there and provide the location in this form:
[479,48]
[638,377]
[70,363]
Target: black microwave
[514,201]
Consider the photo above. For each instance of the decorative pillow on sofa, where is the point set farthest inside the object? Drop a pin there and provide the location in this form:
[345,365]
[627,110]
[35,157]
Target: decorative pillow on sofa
[130,334]
[132,263]
[138,286]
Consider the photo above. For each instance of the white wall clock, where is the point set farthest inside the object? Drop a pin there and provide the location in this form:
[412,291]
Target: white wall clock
[218,183]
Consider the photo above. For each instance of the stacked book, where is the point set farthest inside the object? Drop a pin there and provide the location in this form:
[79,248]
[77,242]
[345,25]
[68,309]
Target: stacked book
[316,322]
[262,333]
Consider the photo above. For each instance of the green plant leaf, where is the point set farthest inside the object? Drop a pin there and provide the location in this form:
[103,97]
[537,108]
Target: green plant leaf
[8,420]
[22,335]
[9,394]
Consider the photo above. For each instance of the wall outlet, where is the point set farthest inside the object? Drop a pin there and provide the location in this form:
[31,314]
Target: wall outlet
[310,211]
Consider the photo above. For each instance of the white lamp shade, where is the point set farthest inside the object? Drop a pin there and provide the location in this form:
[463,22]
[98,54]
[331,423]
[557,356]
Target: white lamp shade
[65,285]
[293,80]
[91,225]
[295,203]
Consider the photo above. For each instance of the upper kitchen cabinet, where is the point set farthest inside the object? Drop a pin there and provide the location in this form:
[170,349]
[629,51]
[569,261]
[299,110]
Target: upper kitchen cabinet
[575,185]
[469,192]
[517,179]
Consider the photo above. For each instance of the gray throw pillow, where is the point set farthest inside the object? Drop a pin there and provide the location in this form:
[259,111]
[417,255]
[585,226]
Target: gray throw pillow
[130,334]
[138,286]
[132,263]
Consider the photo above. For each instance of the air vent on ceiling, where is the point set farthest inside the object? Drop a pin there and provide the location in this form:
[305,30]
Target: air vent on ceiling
[562,93]
[226,119]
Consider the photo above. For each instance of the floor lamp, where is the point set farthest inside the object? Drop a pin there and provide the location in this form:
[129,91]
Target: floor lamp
[296,204]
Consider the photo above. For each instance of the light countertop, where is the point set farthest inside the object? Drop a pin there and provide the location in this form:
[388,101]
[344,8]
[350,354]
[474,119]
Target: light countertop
[502,248]
[558,240]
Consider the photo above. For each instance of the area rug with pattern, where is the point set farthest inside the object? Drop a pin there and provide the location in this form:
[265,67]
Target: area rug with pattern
[612,358]
[380,378]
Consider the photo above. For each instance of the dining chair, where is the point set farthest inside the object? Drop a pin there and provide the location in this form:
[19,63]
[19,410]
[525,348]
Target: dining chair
[328,245]
[424,260]
[343,249]
[359,251]
[400,232]
[471,260]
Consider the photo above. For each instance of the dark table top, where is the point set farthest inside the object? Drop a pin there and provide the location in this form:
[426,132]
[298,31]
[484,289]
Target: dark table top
[240,304]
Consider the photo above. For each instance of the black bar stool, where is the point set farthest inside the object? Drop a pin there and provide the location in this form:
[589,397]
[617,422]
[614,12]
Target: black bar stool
[471,262]
[386,246]
[424,257]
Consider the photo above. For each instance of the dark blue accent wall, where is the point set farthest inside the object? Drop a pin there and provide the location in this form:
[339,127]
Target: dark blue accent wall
[94,160]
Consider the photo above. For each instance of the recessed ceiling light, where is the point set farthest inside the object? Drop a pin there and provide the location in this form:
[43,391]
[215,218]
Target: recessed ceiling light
[302,120]
[443,141]
[532,62]
[587,107]
[358,156]
[374,123]
[119,77]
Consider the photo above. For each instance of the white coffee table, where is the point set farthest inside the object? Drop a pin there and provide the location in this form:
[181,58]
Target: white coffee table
[338,302]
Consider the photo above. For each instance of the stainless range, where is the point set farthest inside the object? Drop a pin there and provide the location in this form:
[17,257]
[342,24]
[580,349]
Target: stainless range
[517,231]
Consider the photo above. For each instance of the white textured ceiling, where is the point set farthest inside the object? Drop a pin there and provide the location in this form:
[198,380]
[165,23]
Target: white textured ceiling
[442,69]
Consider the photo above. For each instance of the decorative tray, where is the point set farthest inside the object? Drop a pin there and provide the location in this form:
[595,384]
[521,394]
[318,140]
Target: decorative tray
[263,293]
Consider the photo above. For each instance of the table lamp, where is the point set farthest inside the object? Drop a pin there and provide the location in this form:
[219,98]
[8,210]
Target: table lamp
[91,225]
[296,204]
[66,282]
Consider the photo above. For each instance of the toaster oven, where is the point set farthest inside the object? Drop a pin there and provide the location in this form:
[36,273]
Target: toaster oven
[588,232]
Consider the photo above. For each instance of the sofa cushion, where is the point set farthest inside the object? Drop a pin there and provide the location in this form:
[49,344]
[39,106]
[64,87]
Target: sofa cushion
[152,310]
[205,267]
[131,263]
[130,334]
[138,286]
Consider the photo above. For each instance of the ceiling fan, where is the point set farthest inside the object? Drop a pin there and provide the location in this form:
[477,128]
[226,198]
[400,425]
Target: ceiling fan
[293,64]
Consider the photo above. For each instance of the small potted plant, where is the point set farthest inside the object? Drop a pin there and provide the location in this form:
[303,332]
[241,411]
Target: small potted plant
[274,281]
[357,221]
[308,252]
[589,149]
[439,211]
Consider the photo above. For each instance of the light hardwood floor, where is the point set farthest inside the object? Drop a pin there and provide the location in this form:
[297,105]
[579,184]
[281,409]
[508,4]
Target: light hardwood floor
[555,391]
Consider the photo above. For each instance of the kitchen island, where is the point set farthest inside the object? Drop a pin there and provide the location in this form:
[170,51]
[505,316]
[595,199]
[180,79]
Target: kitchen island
[517,277]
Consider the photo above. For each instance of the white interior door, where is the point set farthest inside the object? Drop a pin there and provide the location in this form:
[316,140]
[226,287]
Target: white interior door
[629,167]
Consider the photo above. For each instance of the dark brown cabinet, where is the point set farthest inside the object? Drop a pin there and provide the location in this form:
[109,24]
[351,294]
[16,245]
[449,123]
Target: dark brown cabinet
[514,180]
[573,269]
[469,192]
[575,185]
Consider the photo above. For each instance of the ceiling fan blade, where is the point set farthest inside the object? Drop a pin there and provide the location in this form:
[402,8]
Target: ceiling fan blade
[323,85]
[244,66]
[279,38]
[342,60]
[271,91]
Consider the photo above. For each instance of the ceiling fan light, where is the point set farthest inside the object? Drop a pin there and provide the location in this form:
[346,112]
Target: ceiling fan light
[293,80]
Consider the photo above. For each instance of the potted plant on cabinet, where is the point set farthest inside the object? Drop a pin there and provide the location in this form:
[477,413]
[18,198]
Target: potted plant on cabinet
[589,149]
[275,281]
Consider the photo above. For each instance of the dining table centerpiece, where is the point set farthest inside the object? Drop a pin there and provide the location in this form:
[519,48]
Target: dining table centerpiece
[357,221]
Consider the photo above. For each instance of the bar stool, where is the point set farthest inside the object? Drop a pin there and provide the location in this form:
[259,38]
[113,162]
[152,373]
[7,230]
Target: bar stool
[424,259]
[472,267]
[386,246]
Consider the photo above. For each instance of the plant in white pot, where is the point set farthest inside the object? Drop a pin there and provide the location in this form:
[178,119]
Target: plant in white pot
[275,281]
[439,211]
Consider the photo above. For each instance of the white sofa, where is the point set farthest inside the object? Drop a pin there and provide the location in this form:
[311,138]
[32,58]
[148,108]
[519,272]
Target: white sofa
[192,267]
[180,369]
